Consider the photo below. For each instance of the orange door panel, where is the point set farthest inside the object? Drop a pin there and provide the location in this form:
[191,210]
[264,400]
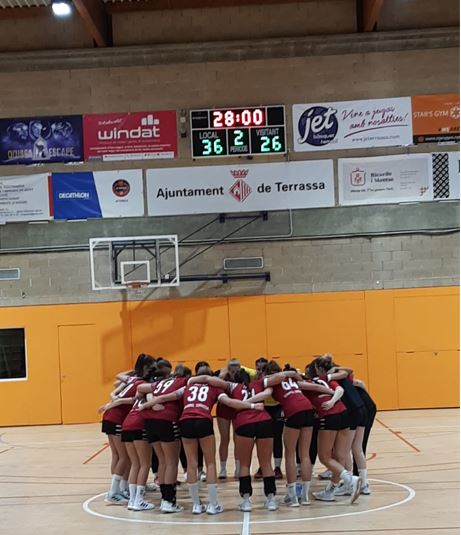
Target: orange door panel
[81,373]
[428,379]
[426,322]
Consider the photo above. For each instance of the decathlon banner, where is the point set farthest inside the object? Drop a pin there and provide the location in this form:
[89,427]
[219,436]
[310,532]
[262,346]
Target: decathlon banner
[436,118]
[385,179]
[97,194]
[41,140]
[24,198]
[130,136]
[240,188]
[353,124]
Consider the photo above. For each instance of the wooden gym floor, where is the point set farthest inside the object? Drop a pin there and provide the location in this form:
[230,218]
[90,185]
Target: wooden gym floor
[51,480]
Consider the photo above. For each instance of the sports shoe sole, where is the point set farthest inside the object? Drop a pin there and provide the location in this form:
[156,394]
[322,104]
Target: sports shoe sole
[356,490]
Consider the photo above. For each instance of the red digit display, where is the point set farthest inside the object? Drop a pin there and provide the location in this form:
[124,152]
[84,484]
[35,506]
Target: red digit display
[238,117]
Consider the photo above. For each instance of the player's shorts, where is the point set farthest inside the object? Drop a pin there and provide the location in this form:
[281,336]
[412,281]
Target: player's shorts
[161,431]
[301,419]
[334,422]
[196,428]
[357,418]
[109,428]
[131,436]
[256,430]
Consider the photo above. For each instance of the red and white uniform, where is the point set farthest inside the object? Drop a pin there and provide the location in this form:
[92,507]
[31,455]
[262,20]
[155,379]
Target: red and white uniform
[172,409]
[290,397]
[117,414]
[317,398]
[198,401]
[135,419]
[242,393]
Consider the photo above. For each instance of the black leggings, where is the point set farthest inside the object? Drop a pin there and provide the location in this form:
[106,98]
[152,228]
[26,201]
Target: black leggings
[371,413]
[275,412]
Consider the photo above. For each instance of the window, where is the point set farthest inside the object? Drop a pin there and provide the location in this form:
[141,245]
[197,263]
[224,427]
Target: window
[12,354]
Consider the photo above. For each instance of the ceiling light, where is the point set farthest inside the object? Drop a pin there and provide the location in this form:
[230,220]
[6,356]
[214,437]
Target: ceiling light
[61,8]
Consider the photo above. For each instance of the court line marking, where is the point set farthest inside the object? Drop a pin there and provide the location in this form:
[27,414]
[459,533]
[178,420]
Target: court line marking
[97,453]
[411,493]
[398,434]
[4,451]
[246,524]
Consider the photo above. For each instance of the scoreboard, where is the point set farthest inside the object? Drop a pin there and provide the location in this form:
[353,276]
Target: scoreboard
[238,131]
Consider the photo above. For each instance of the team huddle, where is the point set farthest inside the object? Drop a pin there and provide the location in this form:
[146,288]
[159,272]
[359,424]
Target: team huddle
[158,418]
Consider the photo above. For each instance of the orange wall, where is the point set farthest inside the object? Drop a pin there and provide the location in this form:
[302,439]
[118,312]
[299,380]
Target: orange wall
[403,343]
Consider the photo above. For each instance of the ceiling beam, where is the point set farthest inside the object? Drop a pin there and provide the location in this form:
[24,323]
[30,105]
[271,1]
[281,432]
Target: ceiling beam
[371,11]
[157,5]
[96,20]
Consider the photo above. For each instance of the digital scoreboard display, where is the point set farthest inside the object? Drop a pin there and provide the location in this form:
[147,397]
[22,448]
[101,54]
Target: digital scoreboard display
[238,131]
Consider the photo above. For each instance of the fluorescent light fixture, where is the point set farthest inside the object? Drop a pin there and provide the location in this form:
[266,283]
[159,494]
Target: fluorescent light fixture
[61,8]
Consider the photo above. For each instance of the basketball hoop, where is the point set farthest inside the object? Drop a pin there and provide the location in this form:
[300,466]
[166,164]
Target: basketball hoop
[135,285]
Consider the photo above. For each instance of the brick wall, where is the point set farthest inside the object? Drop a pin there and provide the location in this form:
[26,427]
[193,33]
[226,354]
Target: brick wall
[300,266]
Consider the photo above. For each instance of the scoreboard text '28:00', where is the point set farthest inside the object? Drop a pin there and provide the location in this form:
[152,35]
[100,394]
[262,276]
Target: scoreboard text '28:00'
[238,131]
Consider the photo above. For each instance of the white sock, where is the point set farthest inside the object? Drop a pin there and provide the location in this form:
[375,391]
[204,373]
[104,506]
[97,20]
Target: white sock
[123,485]
[306,488]
[132,493]
[277,463]
[193,491]
[291,490]
[115,485]
[223,466]
[363,475]
[346,477]
[212,493]
[140,491]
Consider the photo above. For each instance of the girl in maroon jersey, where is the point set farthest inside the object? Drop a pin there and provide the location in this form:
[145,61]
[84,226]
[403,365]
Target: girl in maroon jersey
[333,425]
[224,417]
[299,422]
[140,454]
[252,426]
[196,426]
[162,429]
[115,413]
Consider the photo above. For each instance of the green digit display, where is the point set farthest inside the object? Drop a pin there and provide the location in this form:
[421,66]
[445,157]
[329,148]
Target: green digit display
[276,145]
[238,136]
[211,147]
[265,144]
[218,148]
[207,147]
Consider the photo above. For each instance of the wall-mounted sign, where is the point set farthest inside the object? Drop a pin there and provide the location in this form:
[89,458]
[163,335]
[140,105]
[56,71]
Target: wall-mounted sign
[436,118]
[24,198]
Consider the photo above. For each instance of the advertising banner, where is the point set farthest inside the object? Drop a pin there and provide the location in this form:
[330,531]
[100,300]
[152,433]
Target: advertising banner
[385,179]
[445,175]
[24,198]
[354,124]
[98,194]
[41,140]
[240,188]
[130,136]
[436,118]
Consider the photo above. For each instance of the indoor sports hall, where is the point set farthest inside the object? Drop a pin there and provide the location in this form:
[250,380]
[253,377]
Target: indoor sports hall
[229,267]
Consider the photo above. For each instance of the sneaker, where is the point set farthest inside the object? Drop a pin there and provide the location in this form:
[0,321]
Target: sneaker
[198,508]
[343,490]
[356,488]
[259,474]
[152,487]
[168,507]
[125,494]
[270,504]
[304,499]
[142,506]
[202,476]
[214,509]
[222,474]
[115,499]
[325,475]
[291,501]
[245,506]
[365,489]
[278,473]
[325,495]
